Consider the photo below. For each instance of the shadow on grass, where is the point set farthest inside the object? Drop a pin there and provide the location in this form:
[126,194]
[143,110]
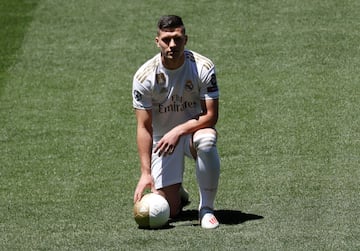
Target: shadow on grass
[228,217]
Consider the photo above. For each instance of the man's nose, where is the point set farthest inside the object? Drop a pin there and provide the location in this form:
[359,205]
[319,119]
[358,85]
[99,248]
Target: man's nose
[172,43]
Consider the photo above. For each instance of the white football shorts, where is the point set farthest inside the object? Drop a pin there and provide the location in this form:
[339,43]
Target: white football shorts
[169,169]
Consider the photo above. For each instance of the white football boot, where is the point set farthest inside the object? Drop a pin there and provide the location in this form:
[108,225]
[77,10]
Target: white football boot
[208,219]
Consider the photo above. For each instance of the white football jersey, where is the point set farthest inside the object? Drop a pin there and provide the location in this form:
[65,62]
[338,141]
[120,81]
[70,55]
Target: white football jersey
[174,96]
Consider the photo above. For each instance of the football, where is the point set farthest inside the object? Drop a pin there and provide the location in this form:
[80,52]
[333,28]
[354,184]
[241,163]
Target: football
[152,211]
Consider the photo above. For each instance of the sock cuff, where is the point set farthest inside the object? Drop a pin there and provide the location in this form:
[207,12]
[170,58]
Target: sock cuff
[204,140]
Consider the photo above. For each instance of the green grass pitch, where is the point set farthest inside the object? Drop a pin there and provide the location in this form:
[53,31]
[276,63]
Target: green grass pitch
[289,127]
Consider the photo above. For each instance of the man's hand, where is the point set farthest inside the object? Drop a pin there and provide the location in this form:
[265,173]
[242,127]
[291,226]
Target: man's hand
[145,182]
[167,143]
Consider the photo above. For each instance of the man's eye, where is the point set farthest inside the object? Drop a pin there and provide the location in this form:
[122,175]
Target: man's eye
[166,40]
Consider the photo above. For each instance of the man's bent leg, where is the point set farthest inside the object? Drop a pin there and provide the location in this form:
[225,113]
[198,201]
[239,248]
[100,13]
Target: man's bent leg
[172,195]
[207,167]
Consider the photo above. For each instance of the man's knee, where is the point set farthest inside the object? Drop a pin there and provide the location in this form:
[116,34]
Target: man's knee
[204,139]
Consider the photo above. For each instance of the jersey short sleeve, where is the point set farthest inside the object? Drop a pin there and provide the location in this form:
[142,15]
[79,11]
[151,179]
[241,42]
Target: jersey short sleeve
[209,89]
[206,68]
[141,95]
[143,85]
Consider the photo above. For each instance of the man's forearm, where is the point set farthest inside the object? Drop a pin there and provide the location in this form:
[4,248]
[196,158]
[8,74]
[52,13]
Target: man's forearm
[208,119]
[144,143]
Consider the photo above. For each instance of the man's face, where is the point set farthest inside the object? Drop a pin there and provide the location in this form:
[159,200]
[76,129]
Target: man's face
[171,43]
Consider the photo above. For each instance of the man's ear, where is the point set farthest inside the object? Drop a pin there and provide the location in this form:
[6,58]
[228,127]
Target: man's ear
[157,41]
[186,39]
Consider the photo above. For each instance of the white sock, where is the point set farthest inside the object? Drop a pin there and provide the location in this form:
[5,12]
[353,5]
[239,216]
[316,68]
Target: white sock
[207,168]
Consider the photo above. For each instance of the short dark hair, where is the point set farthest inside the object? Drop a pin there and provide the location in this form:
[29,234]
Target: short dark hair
[170,22]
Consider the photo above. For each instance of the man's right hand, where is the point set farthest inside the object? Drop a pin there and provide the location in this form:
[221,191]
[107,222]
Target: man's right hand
[145,182]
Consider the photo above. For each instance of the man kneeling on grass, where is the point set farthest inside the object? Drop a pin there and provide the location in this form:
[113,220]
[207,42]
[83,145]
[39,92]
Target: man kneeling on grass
[175,96]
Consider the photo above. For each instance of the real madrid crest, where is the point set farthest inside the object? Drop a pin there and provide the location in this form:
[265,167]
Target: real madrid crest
[160,78]
[189,85]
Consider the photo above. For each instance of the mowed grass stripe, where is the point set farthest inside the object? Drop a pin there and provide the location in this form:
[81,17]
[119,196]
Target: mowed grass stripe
[14,19]
[60,131]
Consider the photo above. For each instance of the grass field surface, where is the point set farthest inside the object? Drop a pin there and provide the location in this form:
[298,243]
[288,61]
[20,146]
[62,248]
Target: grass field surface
[289,127]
